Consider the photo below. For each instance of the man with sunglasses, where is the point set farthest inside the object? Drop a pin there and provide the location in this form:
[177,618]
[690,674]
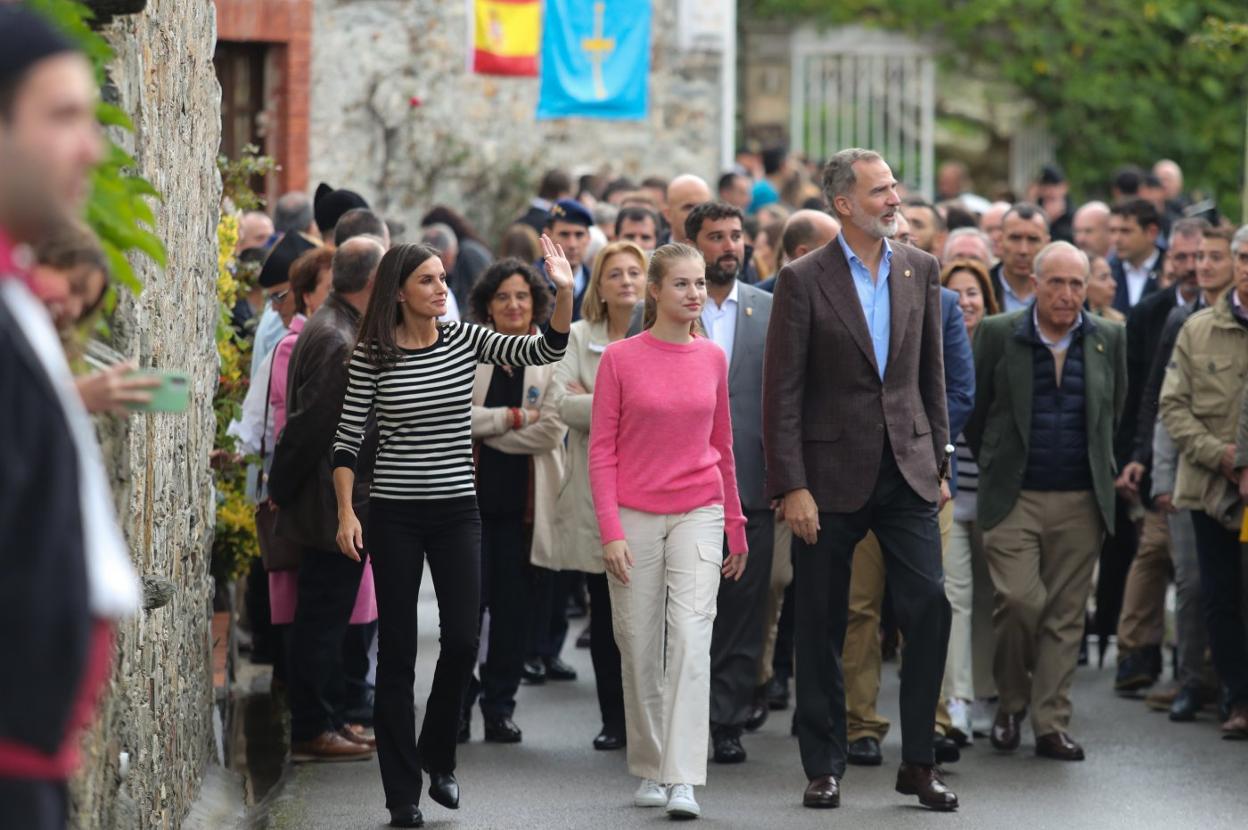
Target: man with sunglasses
[275,281]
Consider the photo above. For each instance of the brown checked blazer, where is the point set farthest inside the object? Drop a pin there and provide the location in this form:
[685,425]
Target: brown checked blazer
[825,410]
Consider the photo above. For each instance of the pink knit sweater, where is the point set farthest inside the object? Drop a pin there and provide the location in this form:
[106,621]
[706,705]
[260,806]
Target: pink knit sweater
[660,438]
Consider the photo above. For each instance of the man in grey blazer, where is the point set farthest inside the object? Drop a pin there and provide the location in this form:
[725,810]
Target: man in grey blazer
[855,428]
[736,317]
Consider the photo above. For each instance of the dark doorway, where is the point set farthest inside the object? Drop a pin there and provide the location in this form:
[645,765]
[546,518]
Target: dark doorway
[245,111]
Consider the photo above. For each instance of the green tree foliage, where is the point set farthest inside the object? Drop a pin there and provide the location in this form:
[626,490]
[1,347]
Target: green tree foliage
[1117,81]
[118,209]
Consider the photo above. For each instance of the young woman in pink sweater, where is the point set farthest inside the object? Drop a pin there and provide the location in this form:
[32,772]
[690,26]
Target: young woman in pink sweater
[664,488]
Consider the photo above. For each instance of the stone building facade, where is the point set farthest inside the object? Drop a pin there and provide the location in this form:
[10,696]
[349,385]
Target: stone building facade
[395,114]
[157,711]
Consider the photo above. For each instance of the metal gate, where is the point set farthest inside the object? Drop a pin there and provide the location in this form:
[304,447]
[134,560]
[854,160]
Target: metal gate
[856,87]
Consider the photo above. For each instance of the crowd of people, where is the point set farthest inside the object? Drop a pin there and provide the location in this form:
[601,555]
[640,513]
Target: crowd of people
[768,434]
[1019,402]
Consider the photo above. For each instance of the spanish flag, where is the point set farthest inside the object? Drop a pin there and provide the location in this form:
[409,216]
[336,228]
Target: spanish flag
[506,36]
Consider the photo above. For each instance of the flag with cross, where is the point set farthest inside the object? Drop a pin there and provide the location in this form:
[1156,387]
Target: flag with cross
[595,59]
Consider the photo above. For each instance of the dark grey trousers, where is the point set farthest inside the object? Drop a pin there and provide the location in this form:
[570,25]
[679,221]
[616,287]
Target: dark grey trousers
[737,639]
[909,532]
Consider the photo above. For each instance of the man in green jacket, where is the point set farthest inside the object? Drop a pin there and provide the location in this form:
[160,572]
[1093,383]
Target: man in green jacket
[1051,382]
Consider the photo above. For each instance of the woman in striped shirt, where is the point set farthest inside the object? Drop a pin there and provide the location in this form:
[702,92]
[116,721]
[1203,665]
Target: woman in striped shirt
[968,666]
[414,375]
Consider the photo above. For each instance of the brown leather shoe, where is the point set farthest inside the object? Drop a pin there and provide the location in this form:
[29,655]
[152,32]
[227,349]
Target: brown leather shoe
[329,746]
[1007,730]
[357,734]
[1159,700]
[925,782]
[1235,728]
[1059,747]
[823,792]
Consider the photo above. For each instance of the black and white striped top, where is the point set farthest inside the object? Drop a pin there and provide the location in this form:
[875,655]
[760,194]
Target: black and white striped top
[423,406]
[964,504]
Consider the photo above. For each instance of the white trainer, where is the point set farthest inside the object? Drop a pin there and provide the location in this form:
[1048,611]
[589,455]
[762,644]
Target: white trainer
[680,802]
[650,794]
[983,711]
[960,716]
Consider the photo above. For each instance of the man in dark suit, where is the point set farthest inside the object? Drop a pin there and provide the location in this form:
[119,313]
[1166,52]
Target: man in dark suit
[805,230]
[1050,381]
[555,185]
[1024,231]
[1142,620]
[736,317]
[1134,225]
[862,653]
[855,430]
[1136,265]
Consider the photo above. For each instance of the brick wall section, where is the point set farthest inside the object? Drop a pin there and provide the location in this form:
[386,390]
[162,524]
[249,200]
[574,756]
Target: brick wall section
[287,24]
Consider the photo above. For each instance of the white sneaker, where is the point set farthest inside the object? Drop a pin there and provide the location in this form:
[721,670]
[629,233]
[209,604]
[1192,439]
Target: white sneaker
[650,794]
[680,802]
[960,717]
[983,712]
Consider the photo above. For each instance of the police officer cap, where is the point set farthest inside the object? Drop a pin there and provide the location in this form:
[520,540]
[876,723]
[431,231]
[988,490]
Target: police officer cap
[276,269]
[569,210]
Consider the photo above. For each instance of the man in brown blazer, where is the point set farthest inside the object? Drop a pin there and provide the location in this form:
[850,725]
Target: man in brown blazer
[855,432]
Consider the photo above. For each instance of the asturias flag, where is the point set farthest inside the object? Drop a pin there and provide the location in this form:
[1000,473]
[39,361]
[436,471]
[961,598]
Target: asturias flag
[506,36]
[595,59]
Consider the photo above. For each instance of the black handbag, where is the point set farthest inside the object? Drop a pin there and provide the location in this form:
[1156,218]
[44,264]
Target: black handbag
[276,552]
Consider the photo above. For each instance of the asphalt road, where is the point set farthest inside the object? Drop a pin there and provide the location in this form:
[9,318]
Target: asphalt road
[1141,772]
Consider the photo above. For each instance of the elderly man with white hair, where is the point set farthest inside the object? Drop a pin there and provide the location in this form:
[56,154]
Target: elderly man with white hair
[1091,226]
[1171,177]
[992,221]
[1051,384]
[967,243]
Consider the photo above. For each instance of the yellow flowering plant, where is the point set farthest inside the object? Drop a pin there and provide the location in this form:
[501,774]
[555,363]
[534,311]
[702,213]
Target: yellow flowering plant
[234,544]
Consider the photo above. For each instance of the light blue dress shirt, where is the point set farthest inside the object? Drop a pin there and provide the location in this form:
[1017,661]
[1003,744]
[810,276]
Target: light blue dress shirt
[269,332]
[720,322]
[876,305]
[1013,302]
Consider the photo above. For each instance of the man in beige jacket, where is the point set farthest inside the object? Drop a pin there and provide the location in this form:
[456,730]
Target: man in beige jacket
[1200,406]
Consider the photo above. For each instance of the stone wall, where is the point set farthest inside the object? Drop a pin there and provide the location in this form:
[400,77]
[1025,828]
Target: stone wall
[473,141]
[158,707]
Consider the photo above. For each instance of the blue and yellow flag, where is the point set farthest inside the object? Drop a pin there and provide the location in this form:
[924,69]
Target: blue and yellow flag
[595,59]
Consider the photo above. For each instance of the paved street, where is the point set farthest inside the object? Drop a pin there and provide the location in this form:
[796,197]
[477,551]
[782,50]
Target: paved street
[1142,772]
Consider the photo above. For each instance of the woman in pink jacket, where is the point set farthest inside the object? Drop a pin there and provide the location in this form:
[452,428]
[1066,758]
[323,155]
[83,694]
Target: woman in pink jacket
[664,489]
